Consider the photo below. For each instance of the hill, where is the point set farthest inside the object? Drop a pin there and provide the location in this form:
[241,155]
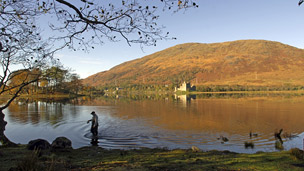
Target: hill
[242,62]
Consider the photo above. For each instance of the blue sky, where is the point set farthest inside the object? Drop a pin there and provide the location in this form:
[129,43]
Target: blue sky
[214,21]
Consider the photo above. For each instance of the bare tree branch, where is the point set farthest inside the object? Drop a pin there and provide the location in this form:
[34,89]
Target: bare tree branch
[134,21]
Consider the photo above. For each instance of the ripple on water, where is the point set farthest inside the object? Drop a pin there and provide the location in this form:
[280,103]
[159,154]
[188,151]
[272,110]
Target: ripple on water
[145,124]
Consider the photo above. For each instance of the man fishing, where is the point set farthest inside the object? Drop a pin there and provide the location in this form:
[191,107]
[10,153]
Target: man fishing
[94,127]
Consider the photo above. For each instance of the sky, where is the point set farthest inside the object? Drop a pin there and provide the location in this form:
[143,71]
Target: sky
[214,21]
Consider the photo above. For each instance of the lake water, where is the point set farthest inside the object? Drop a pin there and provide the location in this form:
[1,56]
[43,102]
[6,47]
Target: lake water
[162,122]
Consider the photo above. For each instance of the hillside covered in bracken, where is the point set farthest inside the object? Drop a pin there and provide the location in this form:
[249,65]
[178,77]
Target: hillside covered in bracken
[242,62]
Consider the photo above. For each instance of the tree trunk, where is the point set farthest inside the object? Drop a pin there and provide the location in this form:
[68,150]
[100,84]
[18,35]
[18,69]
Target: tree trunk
[3,139]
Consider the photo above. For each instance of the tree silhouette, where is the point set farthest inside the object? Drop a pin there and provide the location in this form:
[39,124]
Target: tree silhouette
[85,23]
[79,24]
[22,52]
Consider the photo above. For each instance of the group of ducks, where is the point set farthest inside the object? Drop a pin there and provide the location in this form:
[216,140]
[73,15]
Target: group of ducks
[225,139]
[277,136]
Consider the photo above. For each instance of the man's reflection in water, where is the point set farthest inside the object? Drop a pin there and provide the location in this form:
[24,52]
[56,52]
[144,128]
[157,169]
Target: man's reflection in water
[94,141]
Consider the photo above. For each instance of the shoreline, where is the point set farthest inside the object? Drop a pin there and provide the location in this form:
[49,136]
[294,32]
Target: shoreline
[97,158]
[163,92]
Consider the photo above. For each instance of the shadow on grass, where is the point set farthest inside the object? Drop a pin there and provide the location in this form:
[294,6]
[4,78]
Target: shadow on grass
[96,158]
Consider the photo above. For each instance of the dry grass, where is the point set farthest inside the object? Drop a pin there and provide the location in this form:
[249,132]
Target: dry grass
[245,62]
[94,158]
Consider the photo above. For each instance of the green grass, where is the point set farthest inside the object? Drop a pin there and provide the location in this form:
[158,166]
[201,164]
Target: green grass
[96,158]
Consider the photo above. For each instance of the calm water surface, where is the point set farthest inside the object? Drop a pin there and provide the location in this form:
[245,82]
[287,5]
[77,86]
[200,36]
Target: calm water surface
[168,122]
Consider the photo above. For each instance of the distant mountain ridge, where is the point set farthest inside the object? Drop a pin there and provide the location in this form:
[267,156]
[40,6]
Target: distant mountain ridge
[242,62]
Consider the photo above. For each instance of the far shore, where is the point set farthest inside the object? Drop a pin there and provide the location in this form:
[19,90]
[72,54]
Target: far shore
[291,92]
[252,92]
[44,96]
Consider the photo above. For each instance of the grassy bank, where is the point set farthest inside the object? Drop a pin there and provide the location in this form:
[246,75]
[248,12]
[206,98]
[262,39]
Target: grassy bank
[96,158]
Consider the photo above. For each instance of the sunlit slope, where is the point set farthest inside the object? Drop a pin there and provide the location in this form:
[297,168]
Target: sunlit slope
[243,62]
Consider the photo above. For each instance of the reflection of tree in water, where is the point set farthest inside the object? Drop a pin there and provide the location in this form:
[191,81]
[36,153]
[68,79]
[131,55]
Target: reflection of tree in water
[37,110]
[124,98]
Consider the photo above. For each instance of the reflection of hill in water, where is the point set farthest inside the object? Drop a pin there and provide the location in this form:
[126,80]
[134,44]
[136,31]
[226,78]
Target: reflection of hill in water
[230,113]
[162,120]
[111,100]
[206,112]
